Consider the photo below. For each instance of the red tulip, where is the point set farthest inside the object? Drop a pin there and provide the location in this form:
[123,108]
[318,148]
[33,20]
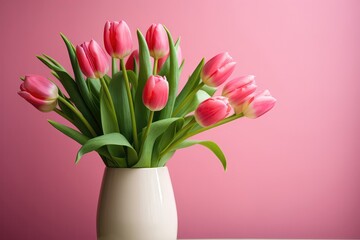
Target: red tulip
[218,69]
[258,105]
[156,93]
[40,92]
[238,89]
[133,58]
[92,59]
[157,41]
[117,39]
[212,111]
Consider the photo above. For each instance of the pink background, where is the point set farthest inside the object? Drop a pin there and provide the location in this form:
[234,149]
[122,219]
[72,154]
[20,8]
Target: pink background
[293,173]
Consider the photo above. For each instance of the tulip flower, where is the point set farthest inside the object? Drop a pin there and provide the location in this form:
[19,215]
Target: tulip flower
[92,59]
[238,89]
[40,92]
[212,111]
[133,58]
[157,41]
[156,93]
[218,69]
[257,105]
[162,61]
[117,39]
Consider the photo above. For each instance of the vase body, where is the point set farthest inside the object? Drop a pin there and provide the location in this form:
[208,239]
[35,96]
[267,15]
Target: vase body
[136,204]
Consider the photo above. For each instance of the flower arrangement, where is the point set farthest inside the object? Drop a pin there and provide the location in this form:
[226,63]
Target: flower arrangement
[136,117]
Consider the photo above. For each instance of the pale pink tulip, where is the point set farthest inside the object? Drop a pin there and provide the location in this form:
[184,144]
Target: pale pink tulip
[92,59]
[163,60]
[156,93]
[133,58]
[40,92]
[157,41]
[238,89]
[218,69]
[257,105]
[117,39]
[212,111]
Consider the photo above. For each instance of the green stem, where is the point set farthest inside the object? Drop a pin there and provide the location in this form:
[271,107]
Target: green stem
[113,65]
[148,127]
[187,98]
[78,114]
[131,104]
[180,140]
[155,66]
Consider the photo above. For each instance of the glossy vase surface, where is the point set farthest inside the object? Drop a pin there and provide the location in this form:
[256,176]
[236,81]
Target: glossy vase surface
[136,204]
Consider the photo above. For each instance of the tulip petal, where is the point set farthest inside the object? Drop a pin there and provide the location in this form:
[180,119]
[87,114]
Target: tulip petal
[212,111]
[98,58]
[259,105]
[39,87]
[107,38]
[42,105]
[83,58]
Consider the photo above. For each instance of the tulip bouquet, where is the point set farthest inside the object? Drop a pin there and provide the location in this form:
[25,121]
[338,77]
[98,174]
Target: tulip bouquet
[135,116]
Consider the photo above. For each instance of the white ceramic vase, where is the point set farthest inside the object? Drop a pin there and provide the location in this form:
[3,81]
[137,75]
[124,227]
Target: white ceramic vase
[136,204]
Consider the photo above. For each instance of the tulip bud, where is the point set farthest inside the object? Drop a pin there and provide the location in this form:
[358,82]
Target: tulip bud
[92,59]
[133,58]
[157,41]
[156,93]
[212,111]
[40,92]
[117,39]
[238,89]
[258,105]
[218,69]
[163,60]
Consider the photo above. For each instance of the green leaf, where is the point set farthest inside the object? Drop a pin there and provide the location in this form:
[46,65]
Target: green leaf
[118,92]
[72,89]
[165,158]
[191,105]
[165,139]
[132,79]
[74,119]
[172,78]
[141,112]
[50,64]
[79,79]
[115,139]
[165,68]
[210,145]
[94,87]
[53,61]
[156,129]
[109,122]
[191,84]
[78,137]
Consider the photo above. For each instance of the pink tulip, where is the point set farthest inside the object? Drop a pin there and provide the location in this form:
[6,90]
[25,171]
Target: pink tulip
[92,59]
[156,93]
[258,105]
[218,69]
[157,41]
[163,60]
[212,111]
[130,63]
[117,39]
[40,92]
[238,89]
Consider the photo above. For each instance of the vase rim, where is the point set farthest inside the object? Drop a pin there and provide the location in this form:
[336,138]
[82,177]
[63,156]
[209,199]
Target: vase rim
[149,168]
